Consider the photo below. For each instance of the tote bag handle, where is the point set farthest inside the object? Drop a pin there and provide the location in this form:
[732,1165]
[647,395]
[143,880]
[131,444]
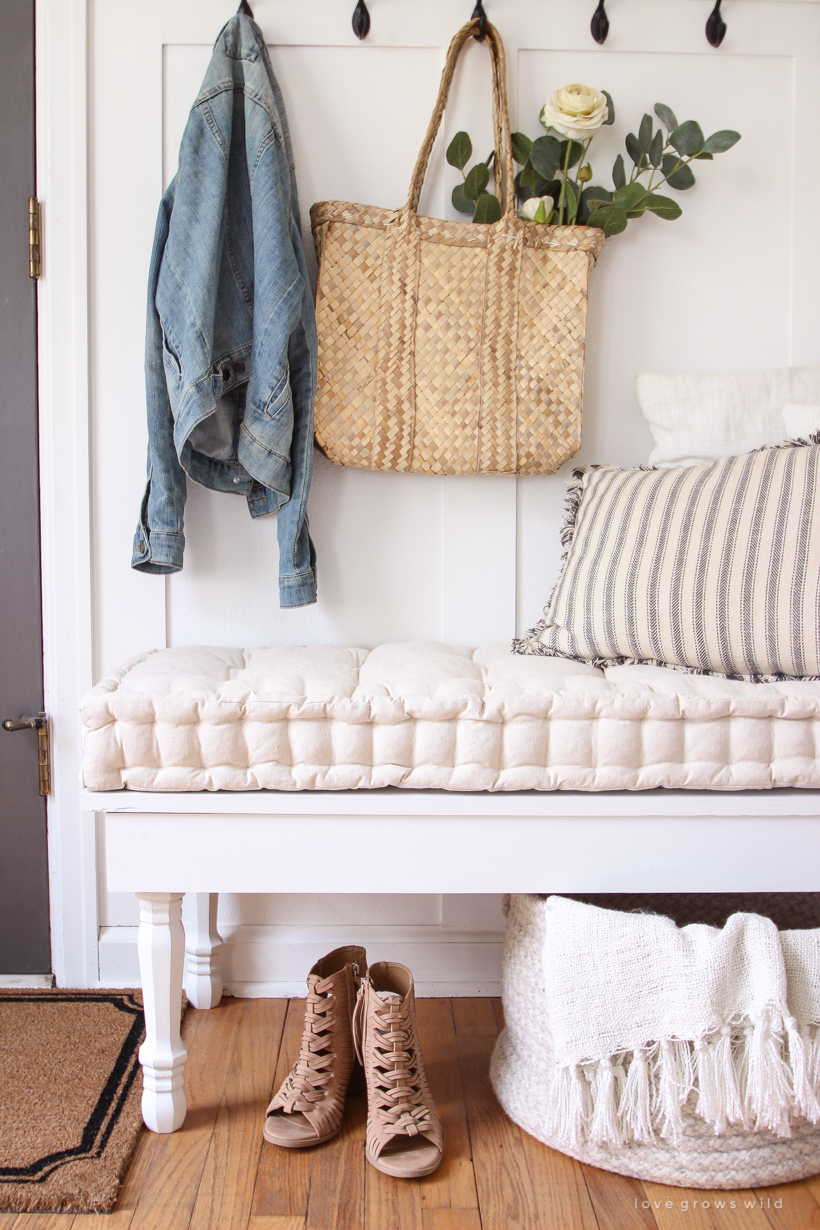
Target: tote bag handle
[501,119]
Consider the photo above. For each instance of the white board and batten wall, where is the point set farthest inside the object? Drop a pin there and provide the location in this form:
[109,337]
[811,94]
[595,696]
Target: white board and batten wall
[732,285]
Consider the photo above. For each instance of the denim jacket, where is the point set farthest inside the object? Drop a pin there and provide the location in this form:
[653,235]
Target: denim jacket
[230,356]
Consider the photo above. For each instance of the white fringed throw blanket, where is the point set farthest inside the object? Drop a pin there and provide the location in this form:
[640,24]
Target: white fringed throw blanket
[642,1013]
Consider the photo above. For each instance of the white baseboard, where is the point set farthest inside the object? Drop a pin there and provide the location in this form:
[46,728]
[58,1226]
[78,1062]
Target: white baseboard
[273,961]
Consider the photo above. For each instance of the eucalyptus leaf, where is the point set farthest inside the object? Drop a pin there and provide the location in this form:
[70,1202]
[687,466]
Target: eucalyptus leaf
[477,179]
[633,148]
[609,219]
[521,146]
[610,118]
[529,183]
[719,142]
[459,151]
[687,138]
[575,153]
[705,157]
[618,172]
[461,202]
[629,197]
[656,149]
[681,179]
[546,156]
[667,116]
[645,132]
[488,208]
[662,206]
[590,199]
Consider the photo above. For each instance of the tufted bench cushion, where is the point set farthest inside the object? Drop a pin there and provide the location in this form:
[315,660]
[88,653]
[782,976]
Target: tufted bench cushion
[431,716]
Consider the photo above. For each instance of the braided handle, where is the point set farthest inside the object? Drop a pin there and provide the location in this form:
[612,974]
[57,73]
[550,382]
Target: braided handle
[501,118]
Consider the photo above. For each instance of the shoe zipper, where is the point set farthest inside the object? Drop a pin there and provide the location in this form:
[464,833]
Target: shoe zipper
[358,1020]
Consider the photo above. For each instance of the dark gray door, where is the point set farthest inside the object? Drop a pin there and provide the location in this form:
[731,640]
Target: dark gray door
[24,930]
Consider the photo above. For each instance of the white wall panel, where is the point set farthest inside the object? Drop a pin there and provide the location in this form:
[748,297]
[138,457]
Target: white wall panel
[729,286]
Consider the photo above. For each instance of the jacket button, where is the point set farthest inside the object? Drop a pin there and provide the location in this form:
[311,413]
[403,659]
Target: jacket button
[141,548]
[239,367]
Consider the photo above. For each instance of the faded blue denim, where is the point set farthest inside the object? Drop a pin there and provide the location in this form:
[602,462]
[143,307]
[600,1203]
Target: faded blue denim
[230,355]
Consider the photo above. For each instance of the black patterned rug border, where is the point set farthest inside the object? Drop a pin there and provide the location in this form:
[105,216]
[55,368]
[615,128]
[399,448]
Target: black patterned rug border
[108,1108]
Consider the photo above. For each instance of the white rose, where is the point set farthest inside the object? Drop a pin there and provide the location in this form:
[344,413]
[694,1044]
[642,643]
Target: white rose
[530,208]
[576,111]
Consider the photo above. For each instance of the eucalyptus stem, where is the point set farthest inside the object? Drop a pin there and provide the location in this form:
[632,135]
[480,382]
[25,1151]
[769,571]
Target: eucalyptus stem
[564,181]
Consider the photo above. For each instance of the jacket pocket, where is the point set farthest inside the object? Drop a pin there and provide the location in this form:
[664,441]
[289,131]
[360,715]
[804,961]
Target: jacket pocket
[171,359]
[280,396]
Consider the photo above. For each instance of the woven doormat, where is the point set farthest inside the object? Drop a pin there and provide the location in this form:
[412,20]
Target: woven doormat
[69,1097]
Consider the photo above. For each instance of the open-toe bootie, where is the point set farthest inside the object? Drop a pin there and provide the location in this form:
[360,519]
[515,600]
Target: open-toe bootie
[404,1137]
[308,1108]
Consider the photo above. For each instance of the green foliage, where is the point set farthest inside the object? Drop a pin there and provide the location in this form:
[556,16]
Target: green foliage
[590,199]
[576,153]
[645,134]
[633,148]
[529,183]
[680,178]
[459,151]
[551,167]
[477,179]
[461,202]
[609,218]
[656,149]
[666,116]
[546,157]
[488,208]
[629,196]
[719,142]
[688,139]
[521,147]
[661,206]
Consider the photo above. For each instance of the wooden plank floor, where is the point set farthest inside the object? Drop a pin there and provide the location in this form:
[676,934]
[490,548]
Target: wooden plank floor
[217,1171]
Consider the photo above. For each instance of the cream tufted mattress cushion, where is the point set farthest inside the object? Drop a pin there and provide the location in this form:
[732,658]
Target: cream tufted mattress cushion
[431,716]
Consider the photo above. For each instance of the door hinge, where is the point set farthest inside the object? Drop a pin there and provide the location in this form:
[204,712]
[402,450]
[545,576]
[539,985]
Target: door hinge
[33,237]
[40,724]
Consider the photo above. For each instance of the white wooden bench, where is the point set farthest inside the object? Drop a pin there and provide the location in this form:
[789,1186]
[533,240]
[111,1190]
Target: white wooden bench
[163,846]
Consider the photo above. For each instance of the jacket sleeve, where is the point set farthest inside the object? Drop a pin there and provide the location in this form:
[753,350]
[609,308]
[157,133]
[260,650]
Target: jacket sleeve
[297,556]
[159,541]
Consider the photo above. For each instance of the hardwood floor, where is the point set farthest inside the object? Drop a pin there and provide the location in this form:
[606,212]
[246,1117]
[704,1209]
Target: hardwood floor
[217,1171]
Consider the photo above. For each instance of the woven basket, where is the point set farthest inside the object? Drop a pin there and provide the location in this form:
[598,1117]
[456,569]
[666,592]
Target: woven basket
[522,1076]
[450,347]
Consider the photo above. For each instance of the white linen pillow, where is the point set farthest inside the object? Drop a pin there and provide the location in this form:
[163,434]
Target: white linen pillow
[800,422]
[698,417]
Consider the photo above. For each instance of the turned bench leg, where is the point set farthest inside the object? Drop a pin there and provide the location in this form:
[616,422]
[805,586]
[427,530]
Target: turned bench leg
[203,975]
[161,945]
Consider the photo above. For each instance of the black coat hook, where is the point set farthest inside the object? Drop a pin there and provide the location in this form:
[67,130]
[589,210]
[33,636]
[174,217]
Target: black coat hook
[481,17]
[361,20]
[245,8]
[600,23]
[716,26]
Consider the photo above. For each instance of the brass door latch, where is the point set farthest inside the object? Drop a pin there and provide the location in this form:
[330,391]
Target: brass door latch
[40,724]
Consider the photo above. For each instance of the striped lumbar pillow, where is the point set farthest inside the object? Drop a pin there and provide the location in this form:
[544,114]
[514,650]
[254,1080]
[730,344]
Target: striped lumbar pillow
[712,568]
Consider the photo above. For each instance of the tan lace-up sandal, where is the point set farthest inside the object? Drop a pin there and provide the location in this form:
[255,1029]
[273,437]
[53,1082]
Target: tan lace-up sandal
[308,1108]
[404,1137]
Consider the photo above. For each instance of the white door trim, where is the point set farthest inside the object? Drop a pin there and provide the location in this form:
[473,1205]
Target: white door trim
[62,121]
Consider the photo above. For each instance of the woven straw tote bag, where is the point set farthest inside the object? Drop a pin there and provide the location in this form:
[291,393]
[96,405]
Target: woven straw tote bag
[450,347]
